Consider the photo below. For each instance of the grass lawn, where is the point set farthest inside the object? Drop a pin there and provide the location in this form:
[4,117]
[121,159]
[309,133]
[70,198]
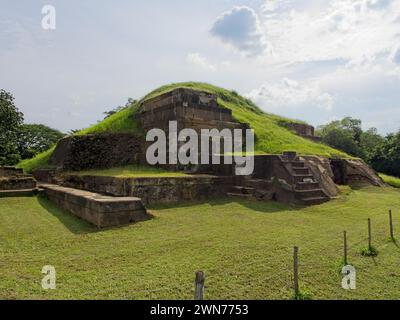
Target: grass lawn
[245,249]
[392,181]
[132,171]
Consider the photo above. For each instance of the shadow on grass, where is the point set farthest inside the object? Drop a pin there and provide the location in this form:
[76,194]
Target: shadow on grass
[73,223]
[254,205]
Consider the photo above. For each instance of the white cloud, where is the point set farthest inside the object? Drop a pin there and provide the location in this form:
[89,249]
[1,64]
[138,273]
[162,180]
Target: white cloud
[340,29]
[241,28]
[289,94]
[396,57]
[198,60]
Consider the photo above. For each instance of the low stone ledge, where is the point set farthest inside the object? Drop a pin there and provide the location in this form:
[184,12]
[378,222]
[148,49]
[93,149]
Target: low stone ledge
[17,183]
[102,211]
[154,190]
[7,171]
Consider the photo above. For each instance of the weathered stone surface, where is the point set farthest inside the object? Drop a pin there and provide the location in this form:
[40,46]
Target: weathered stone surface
[14,179]
[46,175]
[293,179]
[185,105]
[322,171]
[354,172]
[8,171]
[192,109]
[96,151]
[17,183]
[154,190]
[303,130]
[102,211]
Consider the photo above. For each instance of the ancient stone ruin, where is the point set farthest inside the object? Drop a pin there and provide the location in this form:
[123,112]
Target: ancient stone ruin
[111,201]
[13,182]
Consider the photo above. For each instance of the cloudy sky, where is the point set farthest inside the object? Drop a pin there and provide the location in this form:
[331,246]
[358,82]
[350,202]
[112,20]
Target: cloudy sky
[315,60]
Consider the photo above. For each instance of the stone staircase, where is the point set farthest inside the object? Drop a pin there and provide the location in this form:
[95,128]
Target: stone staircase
[302,186]
[306,187]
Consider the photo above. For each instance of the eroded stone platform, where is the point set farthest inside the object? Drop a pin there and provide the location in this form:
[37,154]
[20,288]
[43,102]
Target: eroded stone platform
[99,210]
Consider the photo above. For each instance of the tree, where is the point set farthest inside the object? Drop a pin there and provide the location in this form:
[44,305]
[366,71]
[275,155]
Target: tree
[369,142]
[386,157]
[354,127]
[344,135]
[10,120]
[36,138]
[130,103]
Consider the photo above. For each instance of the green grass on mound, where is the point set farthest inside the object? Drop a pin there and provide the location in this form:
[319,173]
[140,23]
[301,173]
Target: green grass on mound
[245,249]
[123,121]
[392,181]
[132,171]
[272,137]
[40,161]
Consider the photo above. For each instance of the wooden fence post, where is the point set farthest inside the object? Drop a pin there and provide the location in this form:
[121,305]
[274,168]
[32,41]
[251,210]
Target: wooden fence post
[296,270]
[199,286]
[369,234]
[345,247]
[391,225]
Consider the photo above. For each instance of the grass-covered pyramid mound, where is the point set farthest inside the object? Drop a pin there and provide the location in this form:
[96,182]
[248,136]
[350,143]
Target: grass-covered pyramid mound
[272,137]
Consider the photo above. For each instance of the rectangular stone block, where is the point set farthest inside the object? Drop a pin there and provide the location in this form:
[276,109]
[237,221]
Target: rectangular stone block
[102,211]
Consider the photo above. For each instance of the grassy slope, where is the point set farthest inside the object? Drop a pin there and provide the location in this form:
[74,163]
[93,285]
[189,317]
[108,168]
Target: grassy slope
[271,135]
[40,161]
[245,249]
[132,171]
[392,181]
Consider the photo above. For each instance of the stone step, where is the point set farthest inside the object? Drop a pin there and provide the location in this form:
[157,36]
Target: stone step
[314,193]
[307,185]
[18,193]
[298,164]
[240,195]
[300,177]
[256,183]
[315,200]
[300,170]
[242,189]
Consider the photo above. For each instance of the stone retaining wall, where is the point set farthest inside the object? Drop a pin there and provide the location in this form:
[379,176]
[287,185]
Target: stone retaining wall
[154,190]
[12,178]
[96,151]
[102,211]
[10,171]
[17,183]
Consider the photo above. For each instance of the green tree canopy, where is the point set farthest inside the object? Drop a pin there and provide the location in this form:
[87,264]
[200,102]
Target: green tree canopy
[10,121]
[36,138]
[386,157]
[344,135]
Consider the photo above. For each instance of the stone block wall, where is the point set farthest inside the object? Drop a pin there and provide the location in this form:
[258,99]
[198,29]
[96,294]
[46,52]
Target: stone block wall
[303,130]
[10,171]
[12,178]
[17,183]
[191,108]
[101,211]
[154,190]
[96,151]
